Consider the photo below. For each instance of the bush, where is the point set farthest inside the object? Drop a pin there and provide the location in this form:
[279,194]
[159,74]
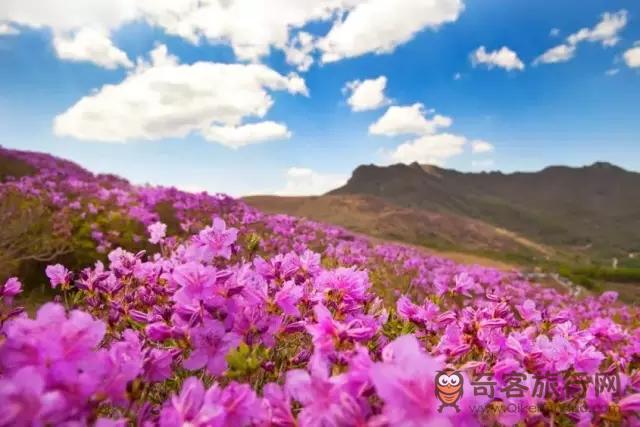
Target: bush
[28,234]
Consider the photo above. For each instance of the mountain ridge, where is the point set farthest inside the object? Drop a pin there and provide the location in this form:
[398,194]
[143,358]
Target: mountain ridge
[590,212]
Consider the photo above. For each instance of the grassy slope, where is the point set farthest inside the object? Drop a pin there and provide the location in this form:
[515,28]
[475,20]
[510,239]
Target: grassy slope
[591,213]
[375,217]
[460,239]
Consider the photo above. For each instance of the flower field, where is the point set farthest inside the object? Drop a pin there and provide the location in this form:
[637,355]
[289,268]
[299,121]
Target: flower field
[195,309]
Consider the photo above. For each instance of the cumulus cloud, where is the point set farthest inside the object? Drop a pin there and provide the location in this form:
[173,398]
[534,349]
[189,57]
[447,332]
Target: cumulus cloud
[480,146]
[68,15]
[437,149]
[90,45]
[299,51]
[409,120]
[605,32]
[503,58]
[560,53]
[166,99]
[632,56]
[430,145]
[429,149]
[253,133]
[251,27]
[379,26]
[7,29]
[366,94]
[307,182]
[81,28]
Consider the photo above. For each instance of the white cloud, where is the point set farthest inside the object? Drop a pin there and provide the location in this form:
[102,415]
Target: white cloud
[379,26]
[404,120]
[307,182]
[90,45]
[251,27]
[253,133]
[457,76]
[165,99]
[555,32]
[605,32]
[68,15]
[632,56]
[367,94]
[612,72]
[7,29]
[480,146]
[429,149]
[430,144]
[503,58]
[81,27]
[298,51]
[560,53]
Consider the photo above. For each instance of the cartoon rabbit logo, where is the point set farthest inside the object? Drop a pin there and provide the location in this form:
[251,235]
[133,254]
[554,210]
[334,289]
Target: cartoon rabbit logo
[449,388]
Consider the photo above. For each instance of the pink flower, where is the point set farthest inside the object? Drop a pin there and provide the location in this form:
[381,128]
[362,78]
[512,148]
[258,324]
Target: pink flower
[197,284]
[158,331]
[277,406]
[347,285]
[327,331]
[234,405]
[464,284]
[214,241]
[287,298]
[424,315]
[123,365]
[10,289]
[157,232]
[185,408]
[58,275]
[211,343]
[608,297]
[558,351]
[630,404]
[25,401]
[157,365]
[588,360]
[529,312]
[324,401]
[404,380]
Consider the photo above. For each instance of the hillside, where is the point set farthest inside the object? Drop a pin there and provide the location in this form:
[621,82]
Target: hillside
[376,217]
[170,308]
[593,209]
[578,214]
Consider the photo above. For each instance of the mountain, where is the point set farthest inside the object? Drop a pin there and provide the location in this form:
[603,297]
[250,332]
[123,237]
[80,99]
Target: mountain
[590,212]
[379,218]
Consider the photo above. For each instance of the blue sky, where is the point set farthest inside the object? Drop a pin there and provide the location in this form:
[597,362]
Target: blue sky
[268,125]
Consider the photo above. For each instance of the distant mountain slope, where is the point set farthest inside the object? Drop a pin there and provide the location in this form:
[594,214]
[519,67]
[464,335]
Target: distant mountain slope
[379,218]
[593,209]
